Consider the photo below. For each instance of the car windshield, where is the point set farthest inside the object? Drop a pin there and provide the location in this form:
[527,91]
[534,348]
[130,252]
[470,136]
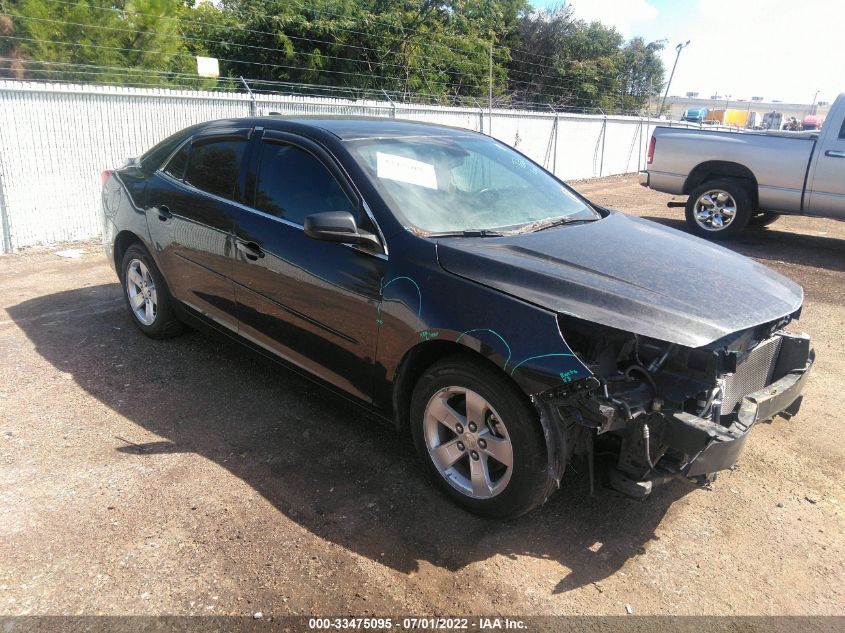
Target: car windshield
[466,183]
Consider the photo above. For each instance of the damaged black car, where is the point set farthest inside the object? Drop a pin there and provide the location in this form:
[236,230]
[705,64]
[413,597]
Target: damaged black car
[455,288]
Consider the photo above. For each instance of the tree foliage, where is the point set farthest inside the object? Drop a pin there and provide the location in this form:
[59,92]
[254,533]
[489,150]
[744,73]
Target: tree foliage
[95,40]
[437,49]
[404,46]
[571,64]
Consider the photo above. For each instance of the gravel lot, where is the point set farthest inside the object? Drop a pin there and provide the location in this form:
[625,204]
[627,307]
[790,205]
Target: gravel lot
[189,477]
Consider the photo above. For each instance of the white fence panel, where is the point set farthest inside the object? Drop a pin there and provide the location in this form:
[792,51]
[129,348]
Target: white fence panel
[309,106]
[621,145]
[56,139]
[578,147]
[531,133]
[456,117]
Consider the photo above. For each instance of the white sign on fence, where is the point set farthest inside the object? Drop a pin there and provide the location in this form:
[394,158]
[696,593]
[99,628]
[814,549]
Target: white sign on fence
[208,66]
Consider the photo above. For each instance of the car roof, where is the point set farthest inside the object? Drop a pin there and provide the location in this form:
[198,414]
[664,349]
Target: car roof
[349,128]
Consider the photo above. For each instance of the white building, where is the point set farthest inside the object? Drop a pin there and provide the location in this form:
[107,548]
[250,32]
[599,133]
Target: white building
[677,105]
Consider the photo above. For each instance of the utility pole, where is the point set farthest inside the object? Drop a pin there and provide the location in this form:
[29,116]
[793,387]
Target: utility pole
[678,48]
[490,92]
[813,105]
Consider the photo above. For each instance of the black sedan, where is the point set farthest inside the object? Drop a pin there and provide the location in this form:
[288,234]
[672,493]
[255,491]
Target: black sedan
[456,288]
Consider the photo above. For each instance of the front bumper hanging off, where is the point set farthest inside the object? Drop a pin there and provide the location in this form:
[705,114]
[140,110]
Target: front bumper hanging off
[711,447]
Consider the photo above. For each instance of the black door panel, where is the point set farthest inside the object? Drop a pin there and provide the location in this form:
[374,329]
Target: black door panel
[193,240]
[192,228]
[313,303]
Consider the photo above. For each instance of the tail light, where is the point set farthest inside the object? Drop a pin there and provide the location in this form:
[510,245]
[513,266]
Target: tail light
[651,145]
[105,176]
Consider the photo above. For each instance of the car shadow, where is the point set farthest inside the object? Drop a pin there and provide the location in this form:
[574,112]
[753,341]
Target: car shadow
[329,466]
[770,244]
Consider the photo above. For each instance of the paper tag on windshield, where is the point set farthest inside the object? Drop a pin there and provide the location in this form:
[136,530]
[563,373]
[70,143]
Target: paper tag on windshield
[414,172]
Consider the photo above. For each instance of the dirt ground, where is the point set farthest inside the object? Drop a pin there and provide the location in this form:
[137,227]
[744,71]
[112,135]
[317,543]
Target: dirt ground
[188,477]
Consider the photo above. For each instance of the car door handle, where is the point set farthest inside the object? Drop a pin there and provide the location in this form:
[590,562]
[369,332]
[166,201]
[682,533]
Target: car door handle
[835,153]
[251,250]
[164,213]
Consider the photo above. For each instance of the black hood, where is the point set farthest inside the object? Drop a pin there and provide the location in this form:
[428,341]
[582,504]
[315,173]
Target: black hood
[629,274]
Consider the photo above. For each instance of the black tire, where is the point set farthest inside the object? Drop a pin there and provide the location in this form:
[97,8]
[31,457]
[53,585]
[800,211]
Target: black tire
[763,218]
[744,209]
[529,484]
[164,323]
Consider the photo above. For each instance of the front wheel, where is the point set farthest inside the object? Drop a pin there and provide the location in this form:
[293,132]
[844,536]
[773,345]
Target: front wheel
[719,209]
[479,438]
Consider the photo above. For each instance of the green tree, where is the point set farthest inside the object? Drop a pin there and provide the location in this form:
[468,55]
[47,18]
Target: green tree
[640,74]
[404,46]
[433,49]
[130,41]
[577,65]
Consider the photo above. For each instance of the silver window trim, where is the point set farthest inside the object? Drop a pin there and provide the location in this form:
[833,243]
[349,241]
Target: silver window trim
[269,216]
[171,155]
[364,204]
[384,255]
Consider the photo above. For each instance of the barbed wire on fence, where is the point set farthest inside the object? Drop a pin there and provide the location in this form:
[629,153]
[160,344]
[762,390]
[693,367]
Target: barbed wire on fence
[542,80]
[103,74]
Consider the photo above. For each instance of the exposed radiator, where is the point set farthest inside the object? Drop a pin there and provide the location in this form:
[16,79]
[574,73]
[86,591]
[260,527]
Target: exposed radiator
[753,372]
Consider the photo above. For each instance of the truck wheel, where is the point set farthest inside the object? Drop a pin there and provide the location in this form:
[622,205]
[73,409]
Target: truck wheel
[479,438]
[764,218]
[719,209]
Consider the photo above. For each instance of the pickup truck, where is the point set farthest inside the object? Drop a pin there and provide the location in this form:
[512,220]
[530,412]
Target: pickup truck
[736,178]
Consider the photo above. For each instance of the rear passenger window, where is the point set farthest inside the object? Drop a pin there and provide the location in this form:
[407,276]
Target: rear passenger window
[292,183]
[214,167]
[176,166]
[842,131]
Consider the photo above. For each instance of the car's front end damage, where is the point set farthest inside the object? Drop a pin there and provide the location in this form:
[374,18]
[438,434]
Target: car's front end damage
[664,410]
[681,345]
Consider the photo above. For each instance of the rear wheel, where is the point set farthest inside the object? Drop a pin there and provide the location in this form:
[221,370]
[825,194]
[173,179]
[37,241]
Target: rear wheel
[479,438]
[146,295]
[719,209]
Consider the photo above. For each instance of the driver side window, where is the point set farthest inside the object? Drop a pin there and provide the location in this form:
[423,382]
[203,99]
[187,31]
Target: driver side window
[293,183]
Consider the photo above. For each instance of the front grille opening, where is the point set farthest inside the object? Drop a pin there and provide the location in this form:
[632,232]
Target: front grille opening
[754,371]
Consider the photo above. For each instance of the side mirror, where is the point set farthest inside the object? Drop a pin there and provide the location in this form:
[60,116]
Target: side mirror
[338,226]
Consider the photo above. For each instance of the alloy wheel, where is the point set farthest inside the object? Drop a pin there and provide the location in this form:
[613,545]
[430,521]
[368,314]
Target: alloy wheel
[468,442]
[715,210]
[141,290]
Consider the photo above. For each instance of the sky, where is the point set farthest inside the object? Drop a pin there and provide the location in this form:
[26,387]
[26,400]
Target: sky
[775,49]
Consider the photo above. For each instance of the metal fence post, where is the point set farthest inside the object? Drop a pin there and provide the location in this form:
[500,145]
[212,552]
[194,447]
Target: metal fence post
[556,131]
[253,106]
[480,115]
[4,220]
[392,104]
[603,139]
[640,147]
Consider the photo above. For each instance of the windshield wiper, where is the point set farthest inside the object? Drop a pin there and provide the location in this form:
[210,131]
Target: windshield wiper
[552,222]
[467,233]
